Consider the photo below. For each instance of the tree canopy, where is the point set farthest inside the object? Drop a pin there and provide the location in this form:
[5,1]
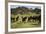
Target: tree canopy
[25,10]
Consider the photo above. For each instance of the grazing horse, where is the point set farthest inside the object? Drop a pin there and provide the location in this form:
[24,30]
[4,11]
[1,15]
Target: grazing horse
[24,18]
[12,19]
[29,18]
[20,19]
[17,18]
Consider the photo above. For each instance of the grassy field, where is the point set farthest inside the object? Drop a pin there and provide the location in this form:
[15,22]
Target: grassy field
[28,24]
[25,24]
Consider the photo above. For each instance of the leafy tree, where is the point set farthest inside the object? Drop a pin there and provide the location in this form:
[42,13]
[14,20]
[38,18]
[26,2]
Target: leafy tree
[24,10]
[38,11]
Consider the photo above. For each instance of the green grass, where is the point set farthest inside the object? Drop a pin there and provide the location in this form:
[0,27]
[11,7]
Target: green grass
[24,24]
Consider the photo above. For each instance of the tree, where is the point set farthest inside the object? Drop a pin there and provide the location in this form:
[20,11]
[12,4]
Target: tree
[37,11]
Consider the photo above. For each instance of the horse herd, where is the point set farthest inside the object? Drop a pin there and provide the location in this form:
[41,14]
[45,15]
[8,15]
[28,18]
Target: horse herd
[26,18]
